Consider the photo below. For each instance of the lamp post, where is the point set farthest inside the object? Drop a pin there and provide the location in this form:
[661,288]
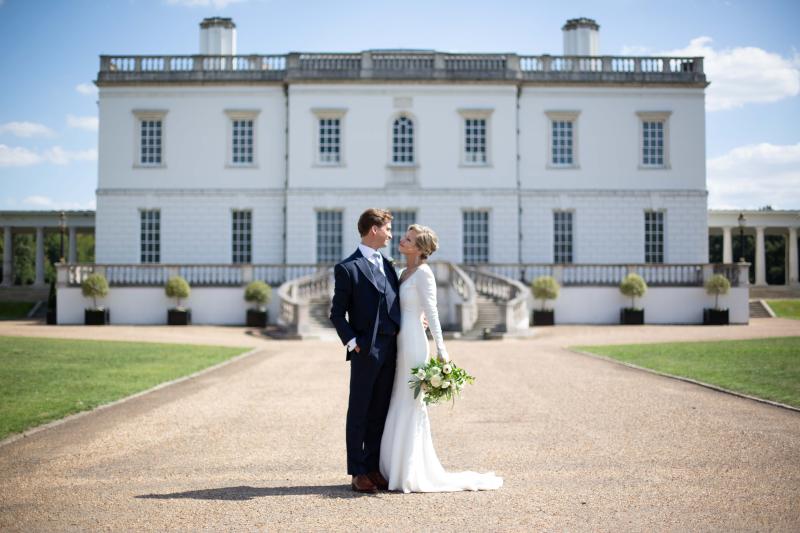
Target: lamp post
[742,222]
[62,224]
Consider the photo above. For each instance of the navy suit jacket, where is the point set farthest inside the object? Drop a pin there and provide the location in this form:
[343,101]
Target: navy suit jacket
[356,293]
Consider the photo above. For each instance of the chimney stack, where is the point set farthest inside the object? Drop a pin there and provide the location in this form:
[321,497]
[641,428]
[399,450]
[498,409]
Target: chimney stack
[217,36]
[581,37]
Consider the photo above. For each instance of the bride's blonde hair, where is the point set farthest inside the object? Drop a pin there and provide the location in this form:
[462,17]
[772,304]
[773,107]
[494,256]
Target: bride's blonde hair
[426,242]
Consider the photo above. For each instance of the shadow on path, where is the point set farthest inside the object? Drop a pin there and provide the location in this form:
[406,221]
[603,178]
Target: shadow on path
[243,493]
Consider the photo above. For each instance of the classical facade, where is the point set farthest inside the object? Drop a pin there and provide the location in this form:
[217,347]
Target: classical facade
[512,159]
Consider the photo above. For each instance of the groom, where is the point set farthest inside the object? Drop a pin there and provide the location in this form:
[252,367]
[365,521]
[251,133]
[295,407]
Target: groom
[366,289]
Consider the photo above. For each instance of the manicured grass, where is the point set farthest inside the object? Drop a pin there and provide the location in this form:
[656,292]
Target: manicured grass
[14,310]
[786,308]
[47,379]
[767,368]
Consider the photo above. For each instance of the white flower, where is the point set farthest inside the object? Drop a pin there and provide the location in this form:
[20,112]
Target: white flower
[445,384]
[436,370]
[421,373]
[447,368]
[436,381]
[453,385]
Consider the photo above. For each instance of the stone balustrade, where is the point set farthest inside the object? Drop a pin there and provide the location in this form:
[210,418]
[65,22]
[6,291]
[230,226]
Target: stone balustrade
[389,65]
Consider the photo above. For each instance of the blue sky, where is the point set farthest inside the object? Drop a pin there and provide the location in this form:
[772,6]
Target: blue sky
[48,136]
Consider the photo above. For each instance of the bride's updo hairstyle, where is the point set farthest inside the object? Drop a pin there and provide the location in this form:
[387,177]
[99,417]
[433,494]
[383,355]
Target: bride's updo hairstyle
[426,242]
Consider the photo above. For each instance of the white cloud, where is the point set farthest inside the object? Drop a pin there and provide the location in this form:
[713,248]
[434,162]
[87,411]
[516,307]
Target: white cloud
[58,156]
[26,129]
[84,123]
[17,156]
[755,175]
[219,4]
[743,75]
[44,202]
[86,88]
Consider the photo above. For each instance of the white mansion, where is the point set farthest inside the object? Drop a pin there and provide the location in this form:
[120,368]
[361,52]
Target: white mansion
[545,161]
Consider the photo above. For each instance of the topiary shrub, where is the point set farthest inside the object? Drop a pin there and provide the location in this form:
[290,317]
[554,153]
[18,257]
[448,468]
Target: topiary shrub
[94,286]
[545,288]
[177,287]
[259,293]
[633,286]
[716,285]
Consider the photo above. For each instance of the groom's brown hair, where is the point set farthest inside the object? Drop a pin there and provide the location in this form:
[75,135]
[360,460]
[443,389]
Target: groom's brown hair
[373,217]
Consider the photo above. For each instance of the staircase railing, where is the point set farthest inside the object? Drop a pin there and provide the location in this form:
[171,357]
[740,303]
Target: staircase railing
[295,299]
[466,304]
[510,295]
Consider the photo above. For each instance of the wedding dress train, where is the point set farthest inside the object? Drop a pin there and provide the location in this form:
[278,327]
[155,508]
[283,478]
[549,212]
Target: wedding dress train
[407,459]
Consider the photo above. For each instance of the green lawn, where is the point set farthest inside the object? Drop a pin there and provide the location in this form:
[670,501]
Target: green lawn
[14,310]
[47,379]
[766,368]
[786,308]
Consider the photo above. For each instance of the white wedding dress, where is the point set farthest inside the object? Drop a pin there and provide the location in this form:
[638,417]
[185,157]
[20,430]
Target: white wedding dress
[408,460]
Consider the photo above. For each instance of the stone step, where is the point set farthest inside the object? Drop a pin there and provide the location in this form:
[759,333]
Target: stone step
[757,310]
[23,294]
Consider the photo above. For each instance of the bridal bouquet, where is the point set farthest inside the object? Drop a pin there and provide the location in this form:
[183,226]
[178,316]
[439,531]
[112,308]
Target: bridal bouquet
[438,381]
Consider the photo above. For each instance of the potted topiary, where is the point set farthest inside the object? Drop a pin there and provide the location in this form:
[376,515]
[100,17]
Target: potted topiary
[544,288]
[95,286]
[177,287]
[51,304]
[716,285]
[260,294]
[632,286]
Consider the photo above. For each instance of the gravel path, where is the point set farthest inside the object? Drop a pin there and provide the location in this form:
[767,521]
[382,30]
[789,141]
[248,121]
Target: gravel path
[583,444]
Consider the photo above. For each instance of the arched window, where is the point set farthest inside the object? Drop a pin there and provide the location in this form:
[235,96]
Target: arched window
[403,141]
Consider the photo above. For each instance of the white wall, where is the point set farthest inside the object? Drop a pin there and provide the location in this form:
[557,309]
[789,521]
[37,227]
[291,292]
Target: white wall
[608,138]
[195,132]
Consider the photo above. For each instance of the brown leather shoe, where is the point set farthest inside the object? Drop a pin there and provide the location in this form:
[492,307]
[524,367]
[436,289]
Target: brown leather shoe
[378,480]
[362,483]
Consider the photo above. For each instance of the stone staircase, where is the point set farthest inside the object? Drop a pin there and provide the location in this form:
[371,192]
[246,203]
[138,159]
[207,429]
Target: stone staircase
[757,310]
[24,294]
[488,317]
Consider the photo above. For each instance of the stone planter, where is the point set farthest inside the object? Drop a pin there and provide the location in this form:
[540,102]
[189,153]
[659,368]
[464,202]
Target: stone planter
[715,317]
[51,317]
[96,317]
[179,317]
[544,318]
[628,315]
[256,319]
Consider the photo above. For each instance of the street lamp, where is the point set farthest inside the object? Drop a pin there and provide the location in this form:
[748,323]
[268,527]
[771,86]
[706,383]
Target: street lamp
[62,224]
[742,222]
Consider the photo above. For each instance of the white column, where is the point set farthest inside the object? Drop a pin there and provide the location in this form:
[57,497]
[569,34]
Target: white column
[727,245]
[8,264]
[793,257]
[39,280]
[761,257]
[72,256]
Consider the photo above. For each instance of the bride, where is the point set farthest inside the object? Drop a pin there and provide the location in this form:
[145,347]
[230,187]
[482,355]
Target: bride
[407,458]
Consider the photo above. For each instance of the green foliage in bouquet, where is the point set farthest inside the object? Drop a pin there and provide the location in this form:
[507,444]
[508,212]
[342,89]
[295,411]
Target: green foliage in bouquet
[438,381]
[94,286]
[178,288]
[716,285]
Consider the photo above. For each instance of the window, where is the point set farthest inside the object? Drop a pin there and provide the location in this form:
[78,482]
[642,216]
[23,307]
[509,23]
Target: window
[562,236]
[328,140]
[653,236]
[242,137]
[562,135]
[242,236]
[150,236]
[242,148]
[400,222]
[476,236]
[403,141]
[653,139]
[149,138]
[329,236]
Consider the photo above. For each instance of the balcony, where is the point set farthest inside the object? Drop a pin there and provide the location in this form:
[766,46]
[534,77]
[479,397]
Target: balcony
[400,65]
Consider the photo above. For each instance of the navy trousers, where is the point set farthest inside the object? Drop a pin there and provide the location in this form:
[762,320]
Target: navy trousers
[371,379]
